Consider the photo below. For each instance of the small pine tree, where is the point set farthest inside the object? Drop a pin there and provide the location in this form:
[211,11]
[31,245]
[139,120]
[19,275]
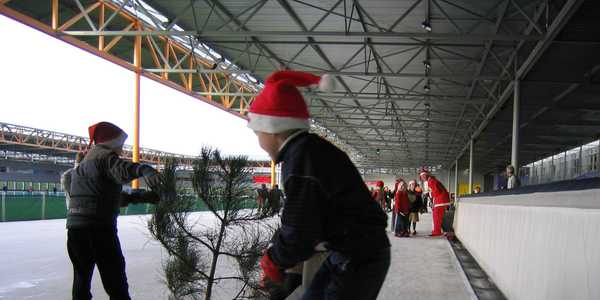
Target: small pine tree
[223,185]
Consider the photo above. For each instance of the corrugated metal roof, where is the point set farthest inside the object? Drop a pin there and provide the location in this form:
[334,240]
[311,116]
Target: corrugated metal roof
[416,95]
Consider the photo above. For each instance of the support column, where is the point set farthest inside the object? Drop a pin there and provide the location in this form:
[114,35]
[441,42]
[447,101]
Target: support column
[137,60]
[456,180]
[580,167]
[100,25]
[598,157]
[54,14]
[542,171]
[471,167]
[514,157]
[553,169]
[272,174]
[448,181]
[565,168]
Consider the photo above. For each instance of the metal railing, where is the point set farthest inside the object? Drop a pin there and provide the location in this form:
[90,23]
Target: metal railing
[576,163]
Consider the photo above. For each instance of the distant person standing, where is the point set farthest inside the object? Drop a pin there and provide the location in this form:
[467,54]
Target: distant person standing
[393,224]
[512,180]
[5,188]
[402,209]
[262,195]
[275,199]
[388,197]
[416,203]
[441,200]
[95,198]
[379,195]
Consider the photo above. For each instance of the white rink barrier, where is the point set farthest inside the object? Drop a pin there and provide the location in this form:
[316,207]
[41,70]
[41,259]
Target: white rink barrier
[540,245]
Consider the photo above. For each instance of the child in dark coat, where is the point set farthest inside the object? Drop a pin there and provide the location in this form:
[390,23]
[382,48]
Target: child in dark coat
[326,199]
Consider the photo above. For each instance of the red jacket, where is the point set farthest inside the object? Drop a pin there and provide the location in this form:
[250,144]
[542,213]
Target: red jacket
[401,203]
[438,191]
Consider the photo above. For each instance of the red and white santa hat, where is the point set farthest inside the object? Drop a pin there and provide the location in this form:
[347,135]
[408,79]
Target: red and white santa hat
[280,106]
[107,134]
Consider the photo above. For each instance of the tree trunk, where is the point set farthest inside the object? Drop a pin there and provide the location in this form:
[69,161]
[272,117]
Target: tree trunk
[213,266]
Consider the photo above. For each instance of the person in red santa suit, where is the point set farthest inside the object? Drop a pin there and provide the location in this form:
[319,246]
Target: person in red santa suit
[441,200]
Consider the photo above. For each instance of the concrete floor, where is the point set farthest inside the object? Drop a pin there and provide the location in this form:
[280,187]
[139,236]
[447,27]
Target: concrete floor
[424,268]
[34,264]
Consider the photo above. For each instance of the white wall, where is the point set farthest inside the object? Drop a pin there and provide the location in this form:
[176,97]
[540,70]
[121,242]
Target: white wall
[536,246]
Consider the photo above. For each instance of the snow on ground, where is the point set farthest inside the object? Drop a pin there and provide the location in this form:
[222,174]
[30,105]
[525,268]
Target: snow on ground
[34,263]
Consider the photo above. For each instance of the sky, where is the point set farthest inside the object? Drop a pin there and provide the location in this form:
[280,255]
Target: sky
[48,84]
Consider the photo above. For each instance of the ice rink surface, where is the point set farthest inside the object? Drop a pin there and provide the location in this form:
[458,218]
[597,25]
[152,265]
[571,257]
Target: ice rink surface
[34,263]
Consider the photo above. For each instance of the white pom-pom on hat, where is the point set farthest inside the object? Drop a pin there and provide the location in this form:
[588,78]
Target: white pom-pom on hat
[327,83]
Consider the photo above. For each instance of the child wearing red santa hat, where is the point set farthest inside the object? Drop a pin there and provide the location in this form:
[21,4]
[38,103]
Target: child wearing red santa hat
[327,201]
[95,192]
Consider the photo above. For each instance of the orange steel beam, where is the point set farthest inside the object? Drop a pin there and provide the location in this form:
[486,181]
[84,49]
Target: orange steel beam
[116,39]
[101,23]
[54,14]
[177,62]
[190,77]
[167,57]
[153,53]
[272,174]
[78,16]
[137,61]
[199,84]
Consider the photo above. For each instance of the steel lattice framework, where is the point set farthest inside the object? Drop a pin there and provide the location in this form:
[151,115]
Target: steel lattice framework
[39,144]
[418,79]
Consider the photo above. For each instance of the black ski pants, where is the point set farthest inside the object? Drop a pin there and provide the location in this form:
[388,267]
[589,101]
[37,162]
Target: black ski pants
[89,247]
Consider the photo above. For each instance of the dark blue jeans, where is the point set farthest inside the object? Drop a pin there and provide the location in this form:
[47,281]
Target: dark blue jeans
[402,224]
[343,277]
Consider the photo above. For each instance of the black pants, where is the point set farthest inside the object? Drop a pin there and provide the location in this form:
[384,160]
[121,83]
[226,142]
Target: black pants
[89,247]
[341,277]
[290,282]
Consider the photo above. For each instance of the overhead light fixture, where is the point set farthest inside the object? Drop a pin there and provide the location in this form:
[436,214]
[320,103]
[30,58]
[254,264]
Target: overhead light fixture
[426,88]
[426,25]
[427,65]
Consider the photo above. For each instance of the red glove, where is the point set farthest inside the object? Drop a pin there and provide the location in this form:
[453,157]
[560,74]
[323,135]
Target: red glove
[270,270]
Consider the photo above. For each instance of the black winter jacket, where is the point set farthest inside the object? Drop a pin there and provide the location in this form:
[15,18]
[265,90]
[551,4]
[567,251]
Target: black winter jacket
[326,201]
[96,188]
